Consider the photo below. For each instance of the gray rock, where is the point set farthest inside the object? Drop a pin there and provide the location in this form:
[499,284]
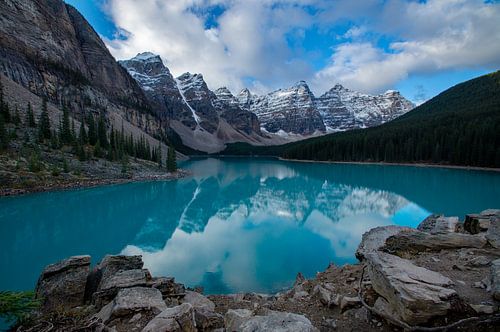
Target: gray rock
[375,238]
[495,279]
[479,261]
[130,301]
[483,309]
[198,301]
[436,224]
[168,287]
[109,287]
[62,285]
[110,265]
[208,320]
[418,241]
[476,223]
[349,302]
[179,318]
[414,293]
[324,295]
[234,318]
[493,233]
[491,212]
[278,321]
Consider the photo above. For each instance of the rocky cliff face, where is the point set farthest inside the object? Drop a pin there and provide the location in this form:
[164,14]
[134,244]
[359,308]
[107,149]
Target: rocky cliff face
[343,109]
[239,118]
[160,87]
[290,110]
[48,47]
[199,98]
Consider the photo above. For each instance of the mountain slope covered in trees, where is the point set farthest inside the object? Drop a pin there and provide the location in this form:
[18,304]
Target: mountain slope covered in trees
[460,126]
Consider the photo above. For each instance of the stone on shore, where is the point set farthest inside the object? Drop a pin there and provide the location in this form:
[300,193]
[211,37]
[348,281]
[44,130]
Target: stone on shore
[414,293]
[110,265]
[495,279]
[437,224]
[179,318]
[168,287]
[234,318]
[418,241]
[207,320]
[62,285]
[130,301]
[109,287]
[493,233]
[278,321]
[198,301]
[375,238]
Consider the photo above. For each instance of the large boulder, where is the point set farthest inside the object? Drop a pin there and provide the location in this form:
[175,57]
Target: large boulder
[278,321]
[375,238]
[109,287]
[495,279]
[179,318]
[436,224]
[234,318]
[130,301]
[62,285]
[168,287]
[208,320]
[110,265]
[198,301]
[418,241]
[416,294]
[476,223]
[493,233]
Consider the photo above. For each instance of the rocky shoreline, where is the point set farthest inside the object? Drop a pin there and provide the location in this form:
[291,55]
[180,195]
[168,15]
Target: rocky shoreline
[92,182]
[444,275]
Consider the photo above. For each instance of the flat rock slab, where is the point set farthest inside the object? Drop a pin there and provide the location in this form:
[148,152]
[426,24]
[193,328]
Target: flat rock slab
[493,233]
[418,241]
[278,321]
[437,224]
[110,265]
[414,293]
[495,279]
[62,285]
[198,301]
[130,301]
[234,318]
[123,279]
[179,318]
[375,238]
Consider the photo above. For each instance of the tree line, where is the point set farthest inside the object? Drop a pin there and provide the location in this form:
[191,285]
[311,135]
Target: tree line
[92,139]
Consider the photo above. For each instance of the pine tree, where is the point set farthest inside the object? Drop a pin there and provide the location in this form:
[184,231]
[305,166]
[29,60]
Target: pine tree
[44,123]
[159,156]
[97,150]
[92,130]
[101,132]
[65,130]
[4,107]
[17,118]
[30,117]
[82,137]
[4,136]
[171,162]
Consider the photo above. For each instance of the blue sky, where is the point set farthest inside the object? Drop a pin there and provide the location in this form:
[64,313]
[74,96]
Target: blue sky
[418,47]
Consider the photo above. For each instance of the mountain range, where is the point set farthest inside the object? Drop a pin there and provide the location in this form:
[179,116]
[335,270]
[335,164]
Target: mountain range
[48,48]
[283,115]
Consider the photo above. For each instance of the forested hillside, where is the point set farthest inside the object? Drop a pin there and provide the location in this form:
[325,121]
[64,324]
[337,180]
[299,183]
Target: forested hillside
[460,126]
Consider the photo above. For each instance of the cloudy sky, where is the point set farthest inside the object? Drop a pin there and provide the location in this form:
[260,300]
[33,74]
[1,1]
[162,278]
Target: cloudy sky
[418,47]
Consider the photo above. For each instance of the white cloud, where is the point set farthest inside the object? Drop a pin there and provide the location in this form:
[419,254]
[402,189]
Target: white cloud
[437,35]
[249,40]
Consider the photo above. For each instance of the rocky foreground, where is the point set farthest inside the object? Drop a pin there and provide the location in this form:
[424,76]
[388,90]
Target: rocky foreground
[444,275]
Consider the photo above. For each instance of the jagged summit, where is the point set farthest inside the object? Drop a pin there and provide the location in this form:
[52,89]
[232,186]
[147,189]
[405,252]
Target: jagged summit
[147,57]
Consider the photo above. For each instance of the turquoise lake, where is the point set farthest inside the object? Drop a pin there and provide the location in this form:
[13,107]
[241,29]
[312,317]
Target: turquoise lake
[237,224]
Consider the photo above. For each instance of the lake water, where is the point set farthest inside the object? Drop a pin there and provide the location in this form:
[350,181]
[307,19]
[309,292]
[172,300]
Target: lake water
[237,224]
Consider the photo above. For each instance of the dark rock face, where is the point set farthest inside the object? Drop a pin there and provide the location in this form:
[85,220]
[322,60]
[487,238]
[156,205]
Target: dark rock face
[62,285]
[200,98]
[239,118]
[290,110]
[48,47]
[160,87]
